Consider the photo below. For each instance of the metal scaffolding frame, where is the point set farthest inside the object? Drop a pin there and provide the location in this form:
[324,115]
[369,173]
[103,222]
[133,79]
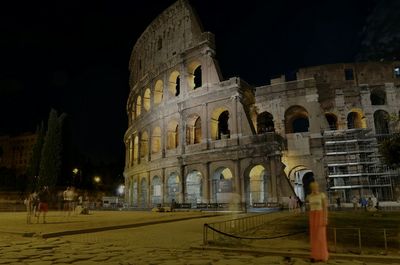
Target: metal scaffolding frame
[353,166]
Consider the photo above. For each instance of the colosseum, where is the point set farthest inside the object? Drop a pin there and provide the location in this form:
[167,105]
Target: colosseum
[198,140]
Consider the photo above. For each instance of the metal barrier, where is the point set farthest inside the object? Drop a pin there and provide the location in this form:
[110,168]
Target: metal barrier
[233,227]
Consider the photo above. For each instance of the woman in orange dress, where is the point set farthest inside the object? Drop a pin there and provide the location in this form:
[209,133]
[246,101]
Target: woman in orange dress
[318,222]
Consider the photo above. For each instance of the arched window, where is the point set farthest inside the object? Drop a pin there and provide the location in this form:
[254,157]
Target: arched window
[332,121]
[378,97]
[144,145]
[138,106]
[222,185]
[265,123]
[173,187]
[175,83]
[381,121]
[194,187]
[356,120]
[146,99]
[256,185]
[223,126]
[197,77]
[156,140]
[193,130]
[156,190]
[173,135]
[143,193]
[158,92]
[296,120]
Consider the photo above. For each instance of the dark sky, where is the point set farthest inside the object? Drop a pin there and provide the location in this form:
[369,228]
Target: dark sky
[73,55]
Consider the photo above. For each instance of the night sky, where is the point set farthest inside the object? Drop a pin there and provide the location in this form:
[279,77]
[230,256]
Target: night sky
[73,55]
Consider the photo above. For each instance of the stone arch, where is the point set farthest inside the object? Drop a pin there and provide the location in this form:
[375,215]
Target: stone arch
[356,119]
[173,187]
[378,96]
[193,129]
[144,145]
[156,140]
[195,78]
[265,122]
[381,121]
[301,177]
[172,135]
[296,120]
[220,124]
[222,185]
[332,121]
[134,192]
[193,188]
[174,83]
[158,92]
[146,99]
[143,193]
[138,110]
[156,191]
[256,184]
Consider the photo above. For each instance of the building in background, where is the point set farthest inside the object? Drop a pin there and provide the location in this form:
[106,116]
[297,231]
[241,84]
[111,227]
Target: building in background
[16,151]
[196,138]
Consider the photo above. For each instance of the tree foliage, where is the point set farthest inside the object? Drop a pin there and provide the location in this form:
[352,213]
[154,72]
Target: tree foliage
[51,161]
[390,150]
[34,163]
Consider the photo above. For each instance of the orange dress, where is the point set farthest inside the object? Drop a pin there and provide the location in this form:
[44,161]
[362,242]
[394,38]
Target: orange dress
[319,245]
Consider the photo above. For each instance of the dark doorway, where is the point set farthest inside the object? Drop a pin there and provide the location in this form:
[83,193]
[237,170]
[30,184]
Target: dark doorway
[223,127]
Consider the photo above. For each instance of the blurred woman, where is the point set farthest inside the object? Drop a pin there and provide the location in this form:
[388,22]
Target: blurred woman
[318,221]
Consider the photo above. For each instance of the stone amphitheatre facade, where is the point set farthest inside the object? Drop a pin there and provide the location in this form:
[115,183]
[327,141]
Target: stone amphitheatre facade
[198,139]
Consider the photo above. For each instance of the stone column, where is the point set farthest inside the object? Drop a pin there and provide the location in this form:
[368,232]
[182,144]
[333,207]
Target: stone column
[206,184]
[149,195]
[273,180]
[238,180]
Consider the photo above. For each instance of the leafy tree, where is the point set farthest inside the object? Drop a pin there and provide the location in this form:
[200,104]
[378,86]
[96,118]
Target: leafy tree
[34,163]
[390,150]
[50,164]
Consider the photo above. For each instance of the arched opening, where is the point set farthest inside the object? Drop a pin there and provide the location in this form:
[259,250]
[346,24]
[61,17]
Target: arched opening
[265,123]
[193,187]
[146,99]
[195,75]
[144,146]
[193,130]
[173,187]
[296,120]
[332,121]
[156,140]
[356,120]
[173,135]
[308,177]
[138,106]
[256,185]
[222,185]
[156,191]
[381,121]
[223,126]
[134,192]
[143,193]
[136,149]
[158,92]
[198,77]
[378,97]
[130,161]
[175,83]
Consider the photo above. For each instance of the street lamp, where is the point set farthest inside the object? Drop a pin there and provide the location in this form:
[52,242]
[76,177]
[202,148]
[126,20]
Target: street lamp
[75,171]
[97,179]
[121,189]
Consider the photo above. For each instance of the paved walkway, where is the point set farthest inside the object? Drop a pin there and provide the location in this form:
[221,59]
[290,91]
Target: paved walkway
[164,243]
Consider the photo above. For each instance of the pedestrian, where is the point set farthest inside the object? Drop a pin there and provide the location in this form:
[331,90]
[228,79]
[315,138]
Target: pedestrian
[355,203]
[299,204]
[318,221]
[338,203]
[290,204]
[364,203]
[44,198]
[29,208]
[35,203]
[173,205]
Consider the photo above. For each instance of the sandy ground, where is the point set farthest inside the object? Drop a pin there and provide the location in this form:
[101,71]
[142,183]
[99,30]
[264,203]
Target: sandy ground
[168,243]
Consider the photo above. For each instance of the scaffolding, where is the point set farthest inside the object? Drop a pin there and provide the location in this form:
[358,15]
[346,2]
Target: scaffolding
[353,166]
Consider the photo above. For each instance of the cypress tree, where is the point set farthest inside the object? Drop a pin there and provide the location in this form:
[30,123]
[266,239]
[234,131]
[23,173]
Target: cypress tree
[50,164]
[34,163]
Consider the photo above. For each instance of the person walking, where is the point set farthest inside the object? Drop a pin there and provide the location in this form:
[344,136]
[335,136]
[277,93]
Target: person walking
[29,208]
[44,198]
[318,221]
[355,203]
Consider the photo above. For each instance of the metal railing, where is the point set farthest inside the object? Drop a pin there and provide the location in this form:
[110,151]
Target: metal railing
[233,227]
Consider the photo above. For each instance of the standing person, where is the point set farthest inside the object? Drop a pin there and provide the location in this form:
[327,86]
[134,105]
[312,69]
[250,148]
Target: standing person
[364,203]
[35,203]
[299,204]
[355,203]
[290,204]
[44,198]
[339,205]
[29,207]
[318,222]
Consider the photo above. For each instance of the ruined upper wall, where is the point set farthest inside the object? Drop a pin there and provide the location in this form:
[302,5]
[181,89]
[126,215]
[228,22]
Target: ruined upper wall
[162,44]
